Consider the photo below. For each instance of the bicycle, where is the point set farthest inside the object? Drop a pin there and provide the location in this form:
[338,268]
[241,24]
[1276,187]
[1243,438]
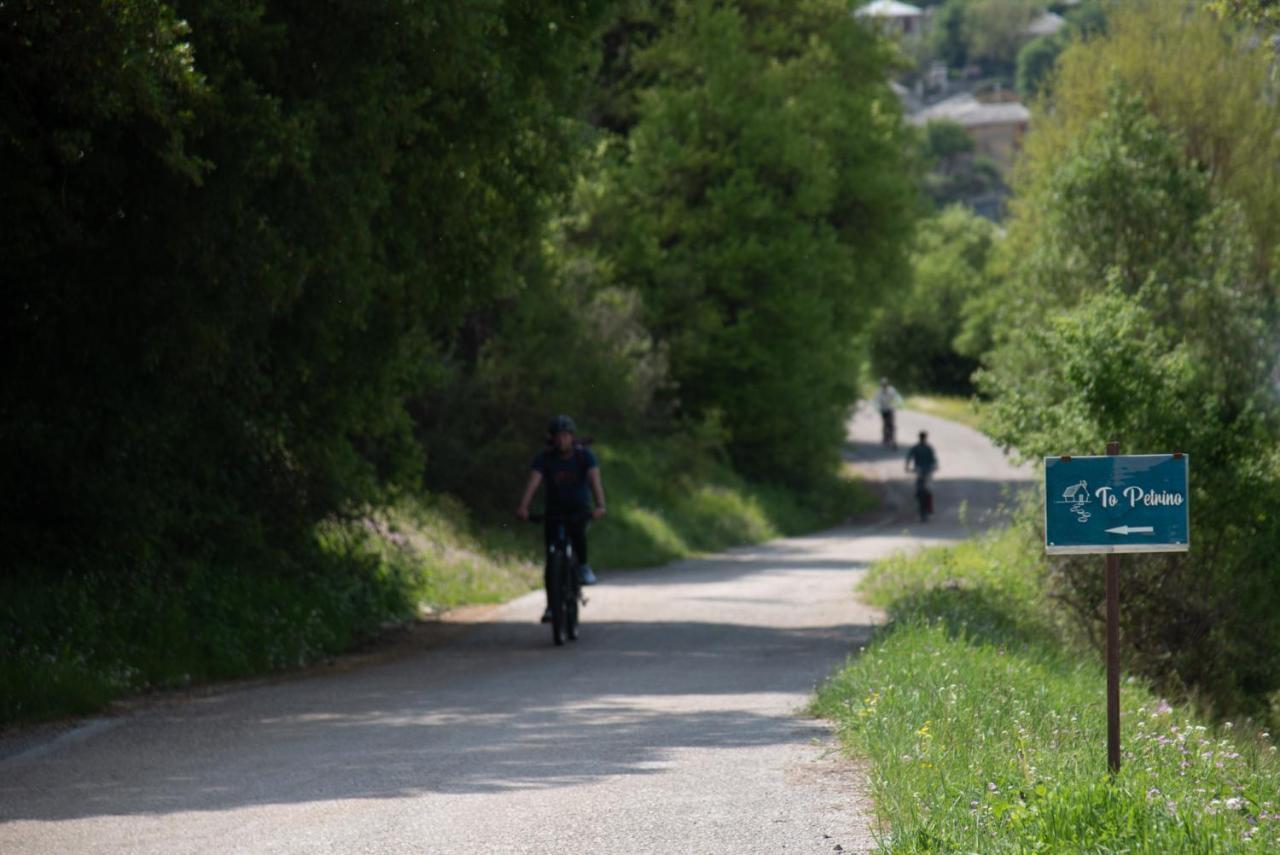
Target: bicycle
[888,434]
[564,589]
[924,496]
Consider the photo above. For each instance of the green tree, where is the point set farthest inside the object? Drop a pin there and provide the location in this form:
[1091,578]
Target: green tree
[1035,63]
[238,241]
[994,30]
[945,141]
[1136,315]
[1265,13]
[913,338]
[1210,96]
[760,206]
[956,174]
[949,33]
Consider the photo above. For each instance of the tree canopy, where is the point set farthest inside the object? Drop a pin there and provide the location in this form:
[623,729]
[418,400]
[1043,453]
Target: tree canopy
[760,206]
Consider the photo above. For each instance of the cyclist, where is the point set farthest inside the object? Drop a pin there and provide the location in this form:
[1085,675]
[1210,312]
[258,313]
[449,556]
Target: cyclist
[887,400]
[924,461]
[573,479]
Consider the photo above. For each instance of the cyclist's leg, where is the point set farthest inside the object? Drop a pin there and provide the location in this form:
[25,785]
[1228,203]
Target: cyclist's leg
[548,537]
[578,538]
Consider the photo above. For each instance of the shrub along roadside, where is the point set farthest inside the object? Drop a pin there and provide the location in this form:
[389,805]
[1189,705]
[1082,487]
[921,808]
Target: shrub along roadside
[71,647]
[987,734]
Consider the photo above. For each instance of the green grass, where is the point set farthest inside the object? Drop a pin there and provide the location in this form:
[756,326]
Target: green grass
[985,734]
[77,643]
[664,505]
[447,561]
[966,411]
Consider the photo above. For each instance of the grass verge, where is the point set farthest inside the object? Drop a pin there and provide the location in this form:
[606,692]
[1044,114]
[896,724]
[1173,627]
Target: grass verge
[966,411]
[665,505]
[986,735]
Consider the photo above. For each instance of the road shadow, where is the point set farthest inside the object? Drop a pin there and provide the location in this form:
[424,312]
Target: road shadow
[499,710]
[865,451]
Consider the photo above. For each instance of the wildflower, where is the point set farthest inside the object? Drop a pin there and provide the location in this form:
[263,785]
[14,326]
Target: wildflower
[1153,792]
[1163,708]
[1235,803]
[992,788]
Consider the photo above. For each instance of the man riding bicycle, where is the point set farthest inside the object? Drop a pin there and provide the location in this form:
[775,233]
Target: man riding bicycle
[573,479]
[924,461]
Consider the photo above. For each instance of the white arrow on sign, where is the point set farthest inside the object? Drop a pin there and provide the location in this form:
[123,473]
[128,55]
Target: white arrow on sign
[1131,529]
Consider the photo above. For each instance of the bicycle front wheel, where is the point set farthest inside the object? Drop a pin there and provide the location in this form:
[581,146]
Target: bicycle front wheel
[571,613]
[558,587]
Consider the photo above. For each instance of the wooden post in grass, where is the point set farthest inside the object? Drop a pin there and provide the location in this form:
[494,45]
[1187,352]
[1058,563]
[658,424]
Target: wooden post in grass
[1111,504]
[1113,649]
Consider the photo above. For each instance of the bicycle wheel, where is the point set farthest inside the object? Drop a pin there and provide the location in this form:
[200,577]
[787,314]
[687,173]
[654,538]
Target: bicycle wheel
[557,581]
[922,500]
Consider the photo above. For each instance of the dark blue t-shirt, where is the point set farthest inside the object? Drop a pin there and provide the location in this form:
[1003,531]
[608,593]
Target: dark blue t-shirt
[922,454]
[568,490]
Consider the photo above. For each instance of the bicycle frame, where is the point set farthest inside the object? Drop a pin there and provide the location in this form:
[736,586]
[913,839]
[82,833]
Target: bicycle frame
[564,589]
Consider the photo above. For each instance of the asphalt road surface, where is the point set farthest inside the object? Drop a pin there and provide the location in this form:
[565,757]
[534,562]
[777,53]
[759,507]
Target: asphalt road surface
[675,725]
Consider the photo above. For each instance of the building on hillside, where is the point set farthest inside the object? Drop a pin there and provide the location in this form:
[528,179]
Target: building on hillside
[996,127]
[901,18]
[1048,24]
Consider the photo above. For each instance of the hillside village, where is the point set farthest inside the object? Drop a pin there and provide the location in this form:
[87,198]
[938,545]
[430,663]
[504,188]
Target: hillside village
[971,70]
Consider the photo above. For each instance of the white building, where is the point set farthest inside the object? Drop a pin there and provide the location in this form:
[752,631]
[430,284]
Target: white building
[897,17]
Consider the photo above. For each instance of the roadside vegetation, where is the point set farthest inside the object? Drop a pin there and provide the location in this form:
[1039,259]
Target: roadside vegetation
[291,295]
[1131,296]
[88,640]
[985,726]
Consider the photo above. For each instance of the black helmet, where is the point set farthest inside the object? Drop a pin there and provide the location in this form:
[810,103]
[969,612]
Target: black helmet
[560,423]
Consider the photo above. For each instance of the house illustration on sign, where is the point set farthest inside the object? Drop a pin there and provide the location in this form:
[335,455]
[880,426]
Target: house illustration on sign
[1077,496]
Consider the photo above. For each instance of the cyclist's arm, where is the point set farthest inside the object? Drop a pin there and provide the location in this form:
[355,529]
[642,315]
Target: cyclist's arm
[535,478]
[597,490]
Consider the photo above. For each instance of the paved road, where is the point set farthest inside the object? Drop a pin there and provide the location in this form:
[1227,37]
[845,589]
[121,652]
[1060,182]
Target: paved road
[674,725]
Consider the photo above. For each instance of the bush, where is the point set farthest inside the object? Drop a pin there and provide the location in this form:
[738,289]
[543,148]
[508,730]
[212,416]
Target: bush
[913,339]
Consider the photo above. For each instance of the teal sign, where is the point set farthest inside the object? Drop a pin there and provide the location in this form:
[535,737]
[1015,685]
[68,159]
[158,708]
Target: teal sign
[1122,503]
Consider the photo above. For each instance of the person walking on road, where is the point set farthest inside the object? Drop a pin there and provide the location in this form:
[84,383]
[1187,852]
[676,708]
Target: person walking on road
[924,461]
[887,400]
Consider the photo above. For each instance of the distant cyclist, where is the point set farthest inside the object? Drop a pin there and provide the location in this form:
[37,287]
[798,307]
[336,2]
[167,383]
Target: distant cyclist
[573,479]
[887,400]
[924,461]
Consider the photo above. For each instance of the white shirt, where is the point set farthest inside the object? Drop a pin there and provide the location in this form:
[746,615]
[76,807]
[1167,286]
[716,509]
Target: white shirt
[887,398]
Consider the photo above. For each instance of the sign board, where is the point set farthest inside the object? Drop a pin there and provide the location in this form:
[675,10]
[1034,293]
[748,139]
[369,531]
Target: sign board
[1120,503]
